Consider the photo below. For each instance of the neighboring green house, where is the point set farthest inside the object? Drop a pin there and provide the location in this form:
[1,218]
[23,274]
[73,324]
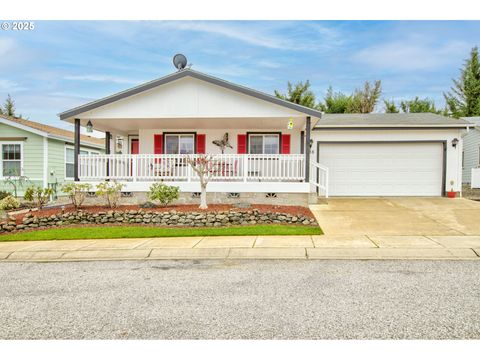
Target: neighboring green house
[41,153]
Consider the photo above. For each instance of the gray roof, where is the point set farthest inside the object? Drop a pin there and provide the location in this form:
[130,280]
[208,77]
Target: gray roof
[195,74]
[388,121]
[473,120]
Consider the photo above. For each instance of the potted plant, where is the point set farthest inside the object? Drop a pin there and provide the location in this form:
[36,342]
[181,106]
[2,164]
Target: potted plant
[451,194]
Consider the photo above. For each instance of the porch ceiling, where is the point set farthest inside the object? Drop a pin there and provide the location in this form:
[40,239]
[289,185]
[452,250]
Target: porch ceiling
[126,126]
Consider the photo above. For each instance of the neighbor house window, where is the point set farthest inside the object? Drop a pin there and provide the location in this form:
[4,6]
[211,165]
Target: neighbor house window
[70,160]
[264,144]
[179,143]
[11,159]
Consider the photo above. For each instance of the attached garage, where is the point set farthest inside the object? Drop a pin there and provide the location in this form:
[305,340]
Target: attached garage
[389,154]
[384,168]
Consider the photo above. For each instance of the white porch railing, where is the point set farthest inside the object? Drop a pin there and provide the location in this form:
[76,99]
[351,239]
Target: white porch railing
[319,178]
[475,182]
[228,167]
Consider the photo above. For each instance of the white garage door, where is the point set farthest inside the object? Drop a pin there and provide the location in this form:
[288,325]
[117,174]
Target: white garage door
[383,169]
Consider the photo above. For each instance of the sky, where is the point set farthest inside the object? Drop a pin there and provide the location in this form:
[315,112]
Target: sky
[63,64]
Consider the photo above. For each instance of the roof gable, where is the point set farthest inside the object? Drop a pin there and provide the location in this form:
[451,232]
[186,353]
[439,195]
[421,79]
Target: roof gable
[205,85]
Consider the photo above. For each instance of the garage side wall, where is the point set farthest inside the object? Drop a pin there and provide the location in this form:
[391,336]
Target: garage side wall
[453,159]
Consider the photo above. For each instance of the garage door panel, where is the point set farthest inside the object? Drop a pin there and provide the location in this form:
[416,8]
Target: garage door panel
[394,169]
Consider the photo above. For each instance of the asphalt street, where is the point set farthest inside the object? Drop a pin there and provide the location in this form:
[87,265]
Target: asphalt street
[240,300]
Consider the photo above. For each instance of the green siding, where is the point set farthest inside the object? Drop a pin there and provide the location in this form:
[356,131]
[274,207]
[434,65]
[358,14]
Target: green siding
[33,158]
[32,155]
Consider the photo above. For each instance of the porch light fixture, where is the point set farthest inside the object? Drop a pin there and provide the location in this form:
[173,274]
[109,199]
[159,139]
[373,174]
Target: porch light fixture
[89,127]
[311,143]
[455,142]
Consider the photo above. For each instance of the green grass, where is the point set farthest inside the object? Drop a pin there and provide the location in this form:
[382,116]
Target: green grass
[117,232]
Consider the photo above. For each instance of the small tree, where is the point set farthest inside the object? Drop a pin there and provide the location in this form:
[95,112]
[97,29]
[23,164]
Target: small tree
[335,102]
[76,192]
[390,107]
[364,100]
[205,166]
[9,106]
[111,192]
[15,180]
[418,105]
[38,195]
[299,93]
[162,193]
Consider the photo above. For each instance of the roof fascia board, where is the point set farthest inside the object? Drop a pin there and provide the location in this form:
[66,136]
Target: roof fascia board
[70,140]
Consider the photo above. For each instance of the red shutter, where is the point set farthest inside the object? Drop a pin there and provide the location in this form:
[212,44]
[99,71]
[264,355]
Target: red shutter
[285,143]
[201,143]
[241,144]
[158,144]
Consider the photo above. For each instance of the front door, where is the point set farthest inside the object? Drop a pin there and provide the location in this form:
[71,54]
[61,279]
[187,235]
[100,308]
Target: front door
[134,146]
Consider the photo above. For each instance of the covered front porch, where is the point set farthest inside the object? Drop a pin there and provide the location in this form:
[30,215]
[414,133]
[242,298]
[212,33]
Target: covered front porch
[260,157]
[255,141]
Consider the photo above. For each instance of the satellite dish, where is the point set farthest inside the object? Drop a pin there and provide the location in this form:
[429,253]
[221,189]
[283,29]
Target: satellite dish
[180,61]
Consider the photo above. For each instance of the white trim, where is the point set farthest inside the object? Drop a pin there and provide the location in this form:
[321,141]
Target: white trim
[1,156]
[397,125]
[45,162]
[263,142]
[70,140]
[220,186]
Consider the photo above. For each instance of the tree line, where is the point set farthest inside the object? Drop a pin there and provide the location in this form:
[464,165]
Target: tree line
[463,99]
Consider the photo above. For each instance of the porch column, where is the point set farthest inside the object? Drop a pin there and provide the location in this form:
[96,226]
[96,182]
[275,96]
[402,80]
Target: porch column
[76,149]
[107,142]
[307,149]
[108,136]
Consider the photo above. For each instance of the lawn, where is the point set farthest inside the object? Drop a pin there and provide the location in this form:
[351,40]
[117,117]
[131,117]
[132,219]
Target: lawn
[117,232]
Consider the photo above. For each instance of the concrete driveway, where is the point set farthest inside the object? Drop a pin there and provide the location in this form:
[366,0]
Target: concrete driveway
[398,216]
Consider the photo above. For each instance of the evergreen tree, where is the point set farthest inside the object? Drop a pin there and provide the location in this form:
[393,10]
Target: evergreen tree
[299,94]
[464,97]
[9,107]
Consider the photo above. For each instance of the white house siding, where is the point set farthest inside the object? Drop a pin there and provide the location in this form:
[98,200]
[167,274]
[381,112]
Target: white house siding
[146,137]
[453,156]
[189,98]
[471,149]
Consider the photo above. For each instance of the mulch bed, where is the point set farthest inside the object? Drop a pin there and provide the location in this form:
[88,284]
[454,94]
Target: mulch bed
[291,210]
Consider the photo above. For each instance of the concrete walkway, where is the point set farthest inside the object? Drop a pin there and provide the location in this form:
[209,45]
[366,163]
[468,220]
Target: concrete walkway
[248,247]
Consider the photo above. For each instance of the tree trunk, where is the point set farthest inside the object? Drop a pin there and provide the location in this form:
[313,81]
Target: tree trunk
[203,196]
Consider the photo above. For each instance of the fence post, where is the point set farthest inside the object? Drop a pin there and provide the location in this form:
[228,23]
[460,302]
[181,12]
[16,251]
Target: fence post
[134,167]
[245,167]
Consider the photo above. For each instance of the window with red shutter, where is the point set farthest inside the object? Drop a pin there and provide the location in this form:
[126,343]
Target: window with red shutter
[285,143]
[201,143]
[241,144]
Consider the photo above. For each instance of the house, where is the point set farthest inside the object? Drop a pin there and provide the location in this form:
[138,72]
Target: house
[279,151]
[43,154]
[471,153]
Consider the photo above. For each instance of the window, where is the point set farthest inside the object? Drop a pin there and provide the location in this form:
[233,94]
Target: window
[264,144]
[179,144]
[70,159]
[11,160]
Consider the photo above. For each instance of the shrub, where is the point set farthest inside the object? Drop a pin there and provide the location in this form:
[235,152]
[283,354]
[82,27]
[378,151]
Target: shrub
[38,195]
[4,194]
[163,193]
[76,192]
[111,191]
[9,203]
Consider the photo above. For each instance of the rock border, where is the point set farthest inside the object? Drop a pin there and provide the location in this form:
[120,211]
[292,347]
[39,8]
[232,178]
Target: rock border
[161,219]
